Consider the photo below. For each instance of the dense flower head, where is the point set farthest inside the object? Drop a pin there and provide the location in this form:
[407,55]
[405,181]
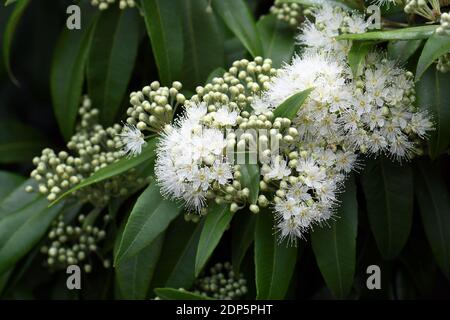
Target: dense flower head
[327,22]
[291,13]
[191,158]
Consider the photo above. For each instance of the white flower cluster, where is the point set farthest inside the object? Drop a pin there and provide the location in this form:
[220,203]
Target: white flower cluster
[342,117]
[191,157]
[327,23]
[302,162]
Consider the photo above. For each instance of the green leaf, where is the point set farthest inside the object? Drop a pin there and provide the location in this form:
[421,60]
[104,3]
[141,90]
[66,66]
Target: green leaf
[274,261]
[17,199]
[111,60]
[8,182]
[411,33]
[216,222]
[239,20]
[278,43]
[67,71]
[164,27]
[21,230]
[435,47]
[176,266]
[116,168]
[388,188]
[250,177]
[290,107]
[242,237]
[402,50]
[433,95]
[335,247]
[177,294]
[434,203]
[11,27]
[204,43]
[134,275]
[19,142]
[8,2]
[357,56]
[149,218]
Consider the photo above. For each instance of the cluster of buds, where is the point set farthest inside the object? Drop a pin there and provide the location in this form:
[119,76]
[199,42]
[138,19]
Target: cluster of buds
[290,13]
[443,64]
[90,149]
[73,243]
[444,28]
[153,107]
[222,283]
[104,4]
[429,9]
[237,87]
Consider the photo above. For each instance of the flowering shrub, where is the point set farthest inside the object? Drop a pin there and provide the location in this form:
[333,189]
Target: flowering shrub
[264,134]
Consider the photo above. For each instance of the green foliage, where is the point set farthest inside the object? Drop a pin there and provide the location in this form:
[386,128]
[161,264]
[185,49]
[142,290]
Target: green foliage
[388,190]
[149,218]
[111,59]
[217,221]
[289,108]
[274,261]
[68,69]
[335,247]
[165,30]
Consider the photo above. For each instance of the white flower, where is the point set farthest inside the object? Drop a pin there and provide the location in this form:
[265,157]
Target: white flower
[190,159]
[132,140]
[278,169]
[223,117]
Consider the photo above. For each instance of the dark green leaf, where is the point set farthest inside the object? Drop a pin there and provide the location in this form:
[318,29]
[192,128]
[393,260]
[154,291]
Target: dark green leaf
[402,50]
[11,27]
[67,72]
[216,222]
[242,236]
[116,168]
[19,142]
[176,266]
[21,230]
[357,56]
[278,41]
[274,261]
[149,218]
[204,44]
[239,20]
[111,60]
[335,247]
[388,188]
[164,27]
[435,47]
[177,294]
[250,179]
[411,33]
[8,2]
[17,199]
[135,274]
[433,95]
[8,182]
[434,203]
[290,107]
